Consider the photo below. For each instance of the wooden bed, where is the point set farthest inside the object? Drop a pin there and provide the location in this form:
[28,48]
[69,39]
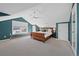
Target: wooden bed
[40,36]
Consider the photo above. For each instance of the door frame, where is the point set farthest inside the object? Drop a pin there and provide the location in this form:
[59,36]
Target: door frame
[68,29]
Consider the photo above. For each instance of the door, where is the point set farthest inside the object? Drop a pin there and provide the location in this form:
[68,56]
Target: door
[63,31]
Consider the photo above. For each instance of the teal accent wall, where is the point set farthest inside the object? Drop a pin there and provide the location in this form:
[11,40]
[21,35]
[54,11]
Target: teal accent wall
[3,14]
[29,27]
[21,19]
[5,29]
[78,29]
[56,30]
[37,28]
[69,32]
[70,28]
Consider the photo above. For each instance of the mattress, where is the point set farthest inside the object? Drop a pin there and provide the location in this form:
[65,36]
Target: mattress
[26,46]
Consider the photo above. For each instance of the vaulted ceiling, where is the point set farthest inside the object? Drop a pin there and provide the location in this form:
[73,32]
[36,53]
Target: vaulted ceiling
[52,13]
[12,8]
[49,13]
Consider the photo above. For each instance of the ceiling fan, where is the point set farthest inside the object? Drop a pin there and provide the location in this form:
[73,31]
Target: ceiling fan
[35,14]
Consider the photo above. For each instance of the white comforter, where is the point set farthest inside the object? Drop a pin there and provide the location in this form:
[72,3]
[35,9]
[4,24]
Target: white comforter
[46,34]
[26,46]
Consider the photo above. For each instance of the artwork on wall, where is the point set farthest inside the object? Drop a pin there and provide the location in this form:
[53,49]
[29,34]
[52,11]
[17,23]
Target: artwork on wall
[19,27]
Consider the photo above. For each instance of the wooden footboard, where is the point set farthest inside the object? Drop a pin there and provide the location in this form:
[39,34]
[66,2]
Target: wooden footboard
[39,36]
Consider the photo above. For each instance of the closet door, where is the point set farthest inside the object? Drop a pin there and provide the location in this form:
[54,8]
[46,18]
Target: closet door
[63,31]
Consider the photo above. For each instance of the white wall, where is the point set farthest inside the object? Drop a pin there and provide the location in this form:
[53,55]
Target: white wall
[74,28]
[34,28]
[63,31]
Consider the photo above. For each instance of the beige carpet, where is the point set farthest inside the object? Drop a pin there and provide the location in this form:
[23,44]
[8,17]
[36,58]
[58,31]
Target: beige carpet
[26,46]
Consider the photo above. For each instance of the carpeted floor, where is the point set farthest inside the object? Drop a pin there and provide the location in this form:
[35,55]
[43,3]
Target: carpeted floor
[26,46]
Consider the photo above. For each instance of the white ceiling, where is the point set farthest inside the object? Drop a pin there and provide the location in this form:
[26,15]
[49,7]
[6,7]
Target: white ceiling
[12,8]
[49,15]
[52,13]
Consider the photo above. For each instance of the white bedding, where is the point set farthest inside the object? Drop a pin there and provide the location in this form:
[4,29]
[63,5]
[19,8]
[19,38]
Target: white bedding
[25,46]
[46,34]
